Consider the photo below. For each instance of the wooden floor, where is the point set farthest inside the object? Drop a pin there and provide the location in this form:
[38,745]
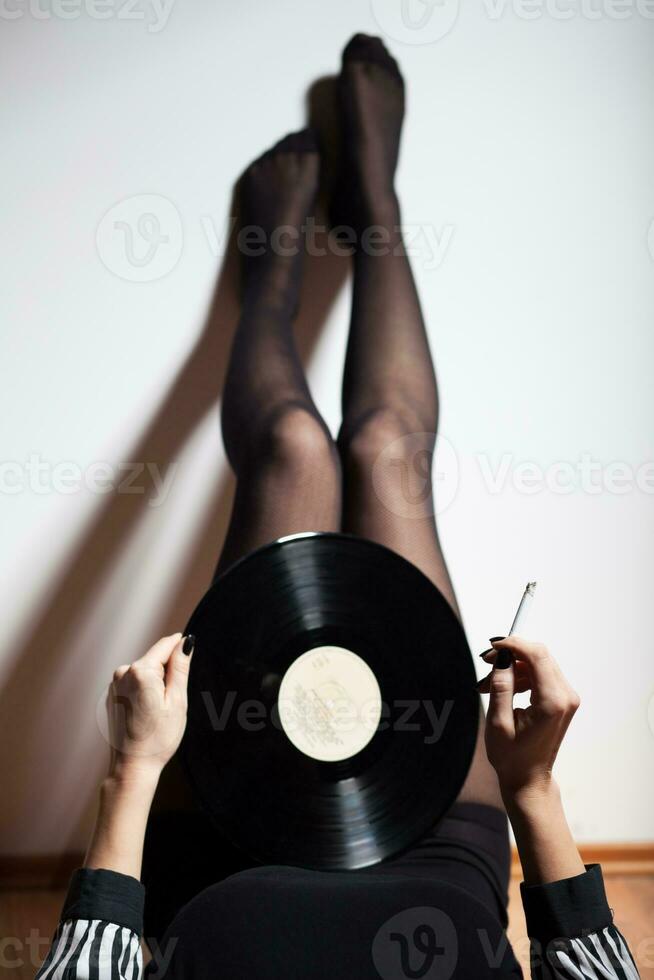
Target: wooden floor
[28,918]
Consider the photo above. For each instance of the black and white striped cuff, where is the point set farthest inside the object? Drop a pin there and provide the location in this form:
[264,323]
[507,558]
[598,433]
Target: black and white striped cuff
[95,893]
[567,908]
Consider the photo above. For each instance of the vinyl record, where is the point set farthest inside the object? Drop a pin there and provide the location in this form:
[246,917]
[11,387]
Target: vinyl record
[332,707]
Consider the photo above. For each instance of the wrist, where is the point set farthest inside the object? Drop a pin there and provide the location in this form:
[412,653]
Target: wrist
[545,844]
[124,806]
[129,778]
[531,797]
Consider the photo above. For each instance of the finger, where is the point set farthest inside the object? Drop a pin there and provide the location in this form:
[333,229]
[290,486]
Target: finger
[553,691]
[500,706]
[162,650]
[521,669]
[521,682]
[491,654]
[178,666]
[546,675]
[549,686]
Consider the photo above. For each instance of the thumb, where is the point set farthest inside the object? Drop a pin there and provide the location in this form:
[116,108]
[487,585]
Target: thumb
[500,706]
[179,665]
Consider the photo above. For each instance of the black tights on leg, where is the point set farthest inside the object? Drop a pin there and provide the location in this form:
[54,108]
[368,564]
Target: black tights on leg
[287,467]
[390,397]
[286,464]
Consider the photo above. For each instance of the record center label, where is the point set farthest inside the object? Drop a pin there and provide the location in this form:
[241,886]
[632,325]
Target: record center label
[329,703]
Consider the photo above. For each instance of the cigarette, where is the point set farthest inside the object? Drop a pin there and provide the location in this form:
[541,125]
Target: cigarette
[523,608]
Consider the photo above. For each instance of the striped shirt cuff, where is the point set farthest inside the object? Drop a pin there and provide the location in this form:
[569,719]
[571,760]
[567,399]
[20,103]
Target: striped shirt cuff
[571,907]
[95,893]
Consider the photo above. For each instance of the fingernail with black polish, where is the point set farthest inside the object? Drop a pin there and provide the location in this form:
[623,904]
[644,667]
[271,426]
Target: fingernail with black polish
[494,638]
[503,660]
[189,643]
[490,650]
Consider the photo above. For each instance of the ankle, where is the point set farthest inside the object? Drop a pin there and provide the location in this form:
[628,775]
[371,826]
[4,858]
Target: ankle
[273,287]
[381,207]
[377,225]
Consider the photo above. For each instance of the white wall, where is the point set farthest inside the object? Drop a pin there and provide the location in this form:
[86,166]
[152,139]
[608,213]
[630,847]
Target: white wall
[528,153]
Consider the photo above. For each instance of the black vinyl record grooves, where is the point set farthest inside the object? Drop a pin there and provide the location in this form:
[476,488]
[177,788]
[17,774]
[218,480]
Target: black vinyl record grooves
[372,735]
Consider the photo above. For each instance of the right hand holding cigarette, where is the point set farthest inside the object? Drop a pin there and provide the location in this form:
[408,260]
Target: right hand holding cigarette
[522,743]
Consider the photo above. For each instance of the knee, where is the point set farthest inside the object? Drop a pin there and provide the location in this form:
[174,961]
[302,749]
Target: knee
[297,440]
[380,433]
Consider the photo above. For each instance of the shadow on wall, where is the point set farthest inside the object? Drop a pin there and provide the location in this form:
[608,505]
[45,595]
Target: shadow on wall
[34,715]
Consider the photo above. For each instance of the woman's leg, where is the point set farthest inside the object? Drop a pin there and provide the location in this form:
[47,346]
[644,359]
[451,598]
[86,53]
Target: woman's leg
[390,398]
[288,480]
[286,464]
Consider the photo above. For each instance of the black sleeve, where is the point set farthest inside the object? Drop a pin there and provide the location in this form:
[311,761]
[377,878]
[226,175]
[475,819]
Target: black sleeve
[98,937]
[571,929]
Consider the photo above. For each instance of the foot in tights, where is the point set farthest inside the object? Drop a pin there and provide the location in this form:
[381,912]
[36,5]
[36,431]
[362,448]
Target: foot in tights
[277,192]
[371,95]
